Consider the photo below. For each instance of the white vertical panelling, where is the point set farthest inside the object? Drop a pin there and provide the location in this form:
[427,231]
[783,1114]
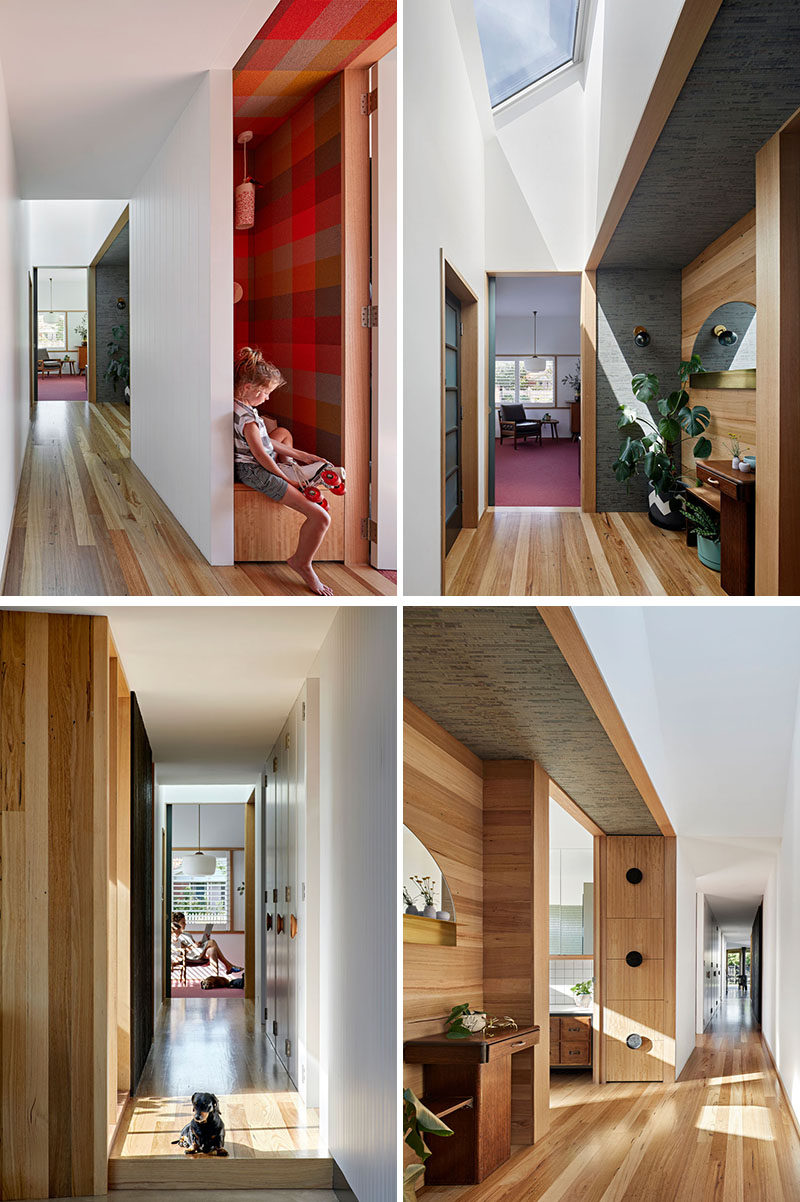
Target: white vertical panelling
[181,236]
[358,838]
[14,371]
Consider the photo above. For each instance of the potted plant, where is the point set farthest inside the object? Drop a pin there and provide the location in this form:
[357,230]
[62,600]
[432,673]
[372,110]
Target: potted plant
[573,380]
[119,365]
[463,1022]
[583,992]
[656,446]
[82,330]
[418,1122]
[706,526]
[428,890]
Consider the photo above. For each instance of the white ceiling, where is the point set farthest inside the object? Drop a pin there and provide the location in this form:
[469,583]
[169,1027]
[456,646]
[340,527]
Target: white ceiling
[215,683]
[94,87]
[551,296]
[733,874]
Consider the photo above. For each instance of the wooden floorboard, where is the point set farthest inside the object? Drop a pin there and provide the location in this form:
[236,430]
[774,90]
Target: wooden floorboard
[517,552]
[271,1136]
[722,1133]
[88,523]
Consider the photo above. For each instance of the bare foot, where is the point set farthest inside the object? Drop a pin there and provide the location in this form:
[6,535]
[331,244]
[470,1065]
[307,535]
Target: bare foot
[309,577]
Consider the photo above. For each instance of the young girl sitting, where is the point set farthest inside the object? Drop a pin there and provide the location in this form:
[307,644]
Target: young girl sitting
[258,458]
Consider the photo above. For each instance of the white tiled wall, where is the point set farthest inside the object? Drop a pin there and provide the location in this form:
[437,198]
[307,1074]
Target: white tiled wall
[564,973]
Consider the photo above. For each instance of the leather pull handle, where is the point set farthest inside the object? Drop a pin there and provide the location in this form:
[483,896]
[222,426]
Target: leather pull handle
[292,927]
[280,924]
[269,922]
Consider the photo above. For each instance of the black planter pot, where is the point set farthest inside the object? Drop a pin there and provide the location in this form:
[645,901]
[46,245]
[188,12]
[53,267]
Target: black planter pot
[664,509]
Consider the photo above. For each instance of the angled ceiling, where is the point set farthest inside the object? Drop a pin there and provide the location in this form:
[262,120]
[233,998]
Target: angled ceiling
[298,50]
[119,250]
[495,679]
[700,178]
[93,88]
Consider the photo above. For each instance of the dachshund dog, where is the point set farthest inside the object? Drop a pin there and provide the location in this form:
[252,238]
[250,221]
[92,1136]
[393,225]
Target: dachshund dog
[206,1132]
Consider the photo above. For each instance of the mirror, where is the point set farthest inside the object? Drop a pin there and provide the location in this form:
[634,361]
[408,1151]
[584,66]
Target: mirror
[571,901]
[428,910]
[729,355]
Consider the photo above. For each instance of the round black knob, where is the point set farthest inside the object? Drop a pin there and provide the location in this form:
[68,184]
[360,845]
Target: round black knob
[634,1041]
[633,875]
[634,959]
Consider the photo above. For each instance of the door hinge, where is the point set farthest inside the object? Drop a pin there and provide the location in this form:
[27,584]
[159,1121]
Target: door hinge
[369,529]
[274,1027]
[304,712]
[304,891]
[461,496]
[288,1047]
[288,742]
[274,763]
[369,102]
[274,895]
[461,328]
[369,317]
[288,892]
[266,1013]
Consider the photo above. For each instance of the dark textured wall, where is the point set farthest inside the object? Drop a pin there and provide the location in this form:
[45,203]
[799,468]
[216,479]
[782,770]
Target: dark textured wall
[738,316]
[626,299]
[755,964]
[111,282]
[141,894]
[700,178]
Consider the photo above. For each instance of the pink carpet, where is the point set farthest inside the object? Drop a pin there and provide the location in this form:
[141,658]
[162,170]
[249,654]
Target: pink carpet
[62,388]
[537,475]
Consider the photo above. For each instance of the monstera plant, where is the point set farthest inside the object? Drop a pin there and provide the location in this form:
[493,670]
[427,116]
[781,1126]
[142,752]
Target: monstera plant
[654,447]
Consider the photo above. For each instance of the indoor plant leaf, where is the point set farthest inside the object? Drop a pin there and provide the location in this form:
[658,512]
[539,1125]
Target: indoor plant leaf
[702,449]
[645,387]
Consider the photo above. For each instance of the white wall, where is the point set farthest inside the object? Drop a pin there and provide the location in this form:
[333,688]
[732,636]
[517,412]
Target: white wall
[69,288]
[14,362]
[181,238]
[356,668]
[220,825]
[685,957]
[554,335]
[710,964]
[443,164]
[69,233]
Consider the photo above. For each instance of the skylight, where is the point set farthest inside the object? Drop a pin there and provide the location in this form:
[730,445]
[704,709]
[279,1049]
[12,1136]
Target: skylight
[523,41]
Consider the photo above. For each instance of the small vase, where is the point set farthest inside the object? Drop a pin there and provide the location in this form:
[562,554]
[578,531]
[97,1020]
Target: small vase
[744,466]
[735,463]
[584,1000]
[412,910]
[429,912]
[443,915]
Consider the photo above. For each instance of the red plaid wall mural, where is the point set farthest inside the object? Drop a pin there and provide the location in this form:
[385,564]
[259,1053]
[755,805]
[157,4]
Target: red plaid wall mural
[297,270]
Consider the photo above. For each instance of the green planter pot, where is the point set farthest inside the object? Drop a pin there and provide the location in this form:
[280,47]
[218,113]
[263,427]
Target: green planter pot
[708,552]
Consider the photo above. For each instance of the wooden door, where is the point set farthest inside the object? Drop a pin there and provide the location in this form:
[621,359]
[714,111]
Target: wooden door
[491,414]
[451,432]
[141,894]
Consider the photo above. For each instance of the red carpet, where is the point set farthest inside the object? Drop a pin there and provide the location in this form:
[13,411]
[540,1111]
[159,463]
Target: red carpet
[62,388]
[537,475]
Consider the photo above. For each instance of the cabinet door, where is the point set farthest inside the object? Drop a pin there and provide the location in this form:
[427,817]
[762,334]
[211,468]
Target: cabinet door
[270,904]
[282,914]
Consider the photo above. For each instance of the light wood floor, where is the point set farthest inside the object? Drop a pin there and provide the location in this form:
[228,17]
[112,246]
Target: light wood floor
[88,523]
[550,552]
[722,1133]
[213,1045]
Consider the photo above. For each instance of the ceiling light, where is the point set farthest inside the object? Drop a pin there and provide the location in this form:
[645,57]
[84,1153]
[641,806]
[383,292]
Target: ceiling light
[536,362]
[199,864]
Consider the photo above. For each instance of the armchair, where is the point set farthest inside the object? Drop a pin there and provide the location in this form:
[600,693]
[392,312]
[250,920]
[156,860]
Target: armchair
[514,422]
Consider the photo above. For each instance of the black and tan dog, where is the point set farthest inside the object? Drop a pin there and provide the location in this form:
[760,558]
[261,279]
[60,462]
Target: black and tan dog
[206,1132]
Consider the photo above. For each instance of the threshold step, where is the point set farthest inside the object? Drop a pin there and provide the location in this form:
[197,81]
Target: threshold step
[277,1170]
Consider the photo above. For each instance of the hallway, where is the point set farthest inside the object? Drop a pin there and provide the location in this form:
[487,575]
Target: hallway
[88,523]
[214,1044]
[722,1131]
[552,552]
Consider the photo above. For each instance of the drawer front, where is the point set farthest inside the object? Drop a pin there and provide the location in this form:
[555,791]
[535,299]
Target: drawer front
[576,1028]
[718,482]
[555,1030]
[555,1052]
[516,1043]
[574,1052]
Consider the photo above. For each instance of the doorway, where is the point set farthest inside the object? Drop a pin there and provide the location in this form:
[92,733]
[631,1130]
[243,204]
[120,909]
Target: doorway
[534,390]
[60,303]
[459,409]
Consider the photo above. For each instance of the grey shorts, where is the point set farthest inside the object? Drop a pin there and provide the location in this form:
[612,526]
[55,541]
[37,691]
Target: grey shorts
[256,476]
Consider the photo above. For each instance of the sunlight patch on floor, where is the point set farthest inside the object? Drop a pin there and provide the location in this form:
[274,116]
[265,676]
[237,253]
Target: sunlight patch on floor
[749,1122]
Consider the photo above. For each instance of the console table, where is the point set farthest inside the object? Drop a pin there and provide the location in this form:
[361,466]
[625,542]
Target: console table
[474,1070]
[732,494]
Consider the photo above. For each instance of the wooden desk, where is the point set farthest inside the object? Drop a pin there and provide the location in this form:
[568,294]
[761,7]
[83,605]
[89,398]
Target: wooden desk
[733,494]
[477,1068]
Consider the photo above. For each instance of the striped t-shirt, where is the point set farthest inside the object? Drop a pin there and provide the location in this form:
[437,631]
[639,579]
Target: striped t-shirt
[242,416]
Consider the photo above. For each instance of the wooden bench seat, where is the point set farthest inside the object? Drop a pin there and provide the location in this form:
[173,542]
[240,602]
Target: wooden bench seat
[265,531]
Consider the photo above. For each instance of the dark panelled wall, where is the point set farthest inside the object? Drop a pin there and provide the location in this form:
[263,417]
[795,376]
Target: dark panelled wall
[296,300]
[141,894]
[755,964]
[627,298]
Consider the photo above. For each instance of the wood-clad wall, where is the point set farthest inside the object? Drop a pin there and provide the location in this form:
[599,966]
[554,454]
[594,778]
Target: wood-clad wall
[141,897]
[53,904]
[119,876]
[638,917]
[443,806]
[725,271]
[516,927]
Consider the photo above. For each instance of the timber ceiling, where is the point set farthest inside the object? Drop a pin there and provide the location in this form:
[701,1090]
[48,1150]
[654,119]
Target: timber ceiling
[701,178]
[495,679]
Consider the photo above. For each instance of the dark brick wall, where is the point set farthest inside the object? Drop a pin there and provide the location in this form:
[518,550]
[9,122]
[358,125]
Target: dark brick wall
[627,298]
[111,282]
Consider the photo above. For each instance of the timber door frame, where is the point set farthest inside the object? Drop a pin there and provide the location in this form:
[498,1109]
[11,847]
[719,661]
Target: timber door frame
[452,281]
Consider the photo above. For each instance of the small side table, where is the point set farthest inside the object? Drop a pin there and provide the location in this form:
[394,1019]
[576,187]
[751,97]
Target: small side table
[553,424]
[733,495]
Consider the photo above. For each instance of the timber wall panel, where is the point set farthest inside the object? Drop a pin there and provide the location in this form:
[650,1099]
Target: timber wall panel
[141,896]
[443,806]
[53,906]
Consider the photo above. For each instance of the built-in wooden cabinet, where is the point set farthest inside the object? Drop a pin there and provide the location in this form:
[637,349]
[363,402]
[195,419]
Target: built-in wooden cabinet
[570,1040]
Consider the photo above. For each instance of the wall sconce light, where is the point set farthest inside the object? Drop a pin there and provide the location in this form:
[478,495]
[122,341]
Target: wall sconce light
[725,337]
[641,336]
[121,302]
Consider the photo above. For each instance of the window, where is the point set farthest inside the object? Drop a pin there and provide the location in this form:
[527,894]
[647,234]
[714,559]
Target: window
[523,41]
[53,330]
[516,383]
[203,898]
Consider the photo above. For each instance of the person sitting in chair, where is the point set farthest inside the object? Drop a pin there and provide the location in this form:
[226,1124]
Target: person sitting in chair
[197,953]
